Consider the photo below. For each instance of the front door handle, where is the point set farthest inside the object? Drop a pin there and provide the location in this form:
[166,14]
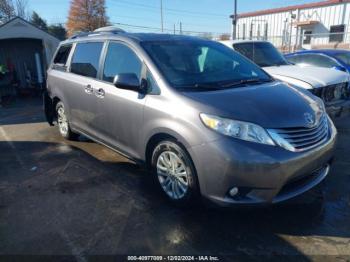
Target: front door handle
[100,93]
[89,89]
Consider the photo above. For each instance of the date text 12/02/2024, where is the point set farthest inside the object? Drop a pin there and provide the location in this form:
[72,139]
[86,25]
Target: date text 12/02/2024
[173,258]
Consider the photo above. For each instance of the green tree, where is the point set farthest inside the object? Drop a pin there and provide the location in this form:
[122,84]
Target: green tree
[38,21]
[58,31]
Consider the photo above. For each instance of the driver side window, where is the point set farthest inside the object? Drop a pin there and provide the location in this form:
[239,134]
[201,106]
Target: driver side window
[120,59]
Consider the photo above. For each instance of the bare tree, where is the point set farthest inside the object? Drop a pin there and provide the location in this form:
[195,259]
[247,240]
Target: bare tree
[7,11]
[22,8]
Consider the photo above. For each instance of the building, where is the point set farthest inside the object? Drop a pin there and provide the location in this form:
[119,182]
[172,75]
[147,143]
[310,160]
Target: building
[25,53]
[323,24]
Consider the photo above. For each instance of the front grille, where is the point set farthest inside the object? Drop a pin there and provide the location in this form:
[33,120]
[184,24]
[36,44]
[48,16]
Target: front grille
[302,138]
[332,92]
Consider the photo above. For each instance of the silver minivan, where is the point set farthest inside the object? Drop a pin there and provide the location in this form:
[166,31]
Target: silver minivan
[207,121]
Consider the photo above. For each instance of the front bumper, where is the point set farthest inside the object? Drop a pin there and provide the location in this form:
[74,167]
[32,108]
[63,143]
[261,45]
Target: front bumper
[263,174]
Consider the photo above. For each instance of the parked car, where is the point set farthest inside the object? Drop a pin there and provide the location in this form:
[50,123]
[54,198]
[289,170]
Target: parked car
[328,58]
[331,85]
[206,120]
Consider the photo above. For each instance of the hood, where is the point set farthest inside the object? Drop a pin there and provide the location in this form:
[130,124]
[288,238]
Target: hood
[272,105]
[315,76]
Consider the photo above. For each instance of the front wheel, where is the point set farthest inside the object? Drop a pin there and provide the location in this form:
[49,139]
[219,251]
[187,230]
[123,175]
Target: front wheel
[175,172]
[63,124]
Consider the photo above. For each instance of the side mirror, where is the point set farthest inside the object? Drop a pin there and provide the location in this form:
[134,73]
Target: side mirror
[340,68]
[128,81]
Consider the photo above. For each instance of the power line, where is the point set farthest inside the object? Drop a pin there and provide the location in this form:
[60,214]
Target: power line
[157,21]
[153,28]
[155,9]
[170,9]
[165,29]
[167,9]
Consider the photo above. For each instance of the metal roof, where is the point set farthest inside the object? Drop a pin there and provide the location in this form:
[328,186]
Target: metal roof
[3,25]
[291,8]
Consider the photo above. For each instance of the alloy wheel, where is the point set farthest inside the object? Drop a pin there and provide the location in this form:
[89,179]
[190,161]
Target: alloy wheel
[172,174]
[62,121]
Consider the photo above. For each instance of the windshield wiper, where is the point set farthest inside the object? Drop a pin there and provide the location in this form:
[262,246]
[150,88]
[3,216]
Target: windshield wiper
[246,82]
[222,85]
[199,87]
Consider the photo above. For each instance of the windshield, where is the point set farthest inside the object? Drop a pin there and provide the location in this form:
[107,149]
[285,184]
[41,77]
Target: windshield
[344,57]
[200,64]
[262,53]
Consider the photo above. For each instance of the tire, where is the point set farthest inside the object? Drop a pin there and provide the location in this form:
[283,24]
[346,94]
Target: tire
[63,123]
[175,173]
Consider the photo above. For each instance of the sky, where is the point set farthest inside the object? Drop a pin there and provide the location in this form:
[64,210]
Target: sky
[194,15]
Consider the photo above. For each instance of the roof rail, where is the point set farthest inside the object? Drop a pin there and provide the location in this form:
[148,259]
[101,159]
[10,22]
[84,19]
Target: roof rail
[99,31]
[109,29]
[80,34]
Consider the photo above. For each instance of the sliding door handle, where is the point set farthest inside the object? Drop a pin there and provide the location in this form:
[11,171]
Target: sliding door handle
[89,89]
[100,93]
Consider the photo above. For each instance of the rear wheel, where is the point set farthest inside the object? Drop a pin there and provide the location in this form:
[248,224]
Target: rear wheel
[175,172]
[63,123]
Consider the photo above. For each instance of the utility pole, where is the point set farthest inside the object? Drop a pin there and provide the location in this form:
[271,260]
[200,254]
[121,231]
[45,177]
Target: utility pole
[234,21]
[174,29]
[180,28]
[161,15]
[292,17]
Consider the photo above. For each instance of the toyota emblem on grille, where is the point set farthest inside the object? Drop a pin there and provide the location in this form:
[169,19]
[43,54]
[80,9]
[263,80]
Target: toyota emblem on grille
[310,120]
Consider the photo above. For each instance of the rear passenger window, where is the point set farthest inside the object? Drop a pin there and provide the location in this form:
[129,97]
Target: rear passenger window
[86,59]
[120,59]
[61,57]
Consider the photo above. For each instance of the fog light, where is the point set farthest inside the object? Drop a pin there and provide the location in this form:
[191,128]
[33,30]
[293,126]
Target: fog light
[233,191]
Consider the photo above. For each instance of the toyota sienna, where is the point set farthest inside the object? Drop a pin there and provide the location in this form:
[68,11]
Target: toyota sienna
[207,121]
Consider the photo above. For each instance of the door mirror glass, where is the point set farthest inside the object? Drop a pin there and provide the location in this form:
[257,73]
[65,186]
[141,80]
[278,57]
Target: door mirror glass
[128,81]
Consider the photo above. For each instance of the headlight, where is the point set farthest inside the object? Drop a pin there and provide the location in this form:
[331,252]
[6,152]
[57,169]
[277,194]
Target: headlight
[332,126]
[237,129]
[321,104]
